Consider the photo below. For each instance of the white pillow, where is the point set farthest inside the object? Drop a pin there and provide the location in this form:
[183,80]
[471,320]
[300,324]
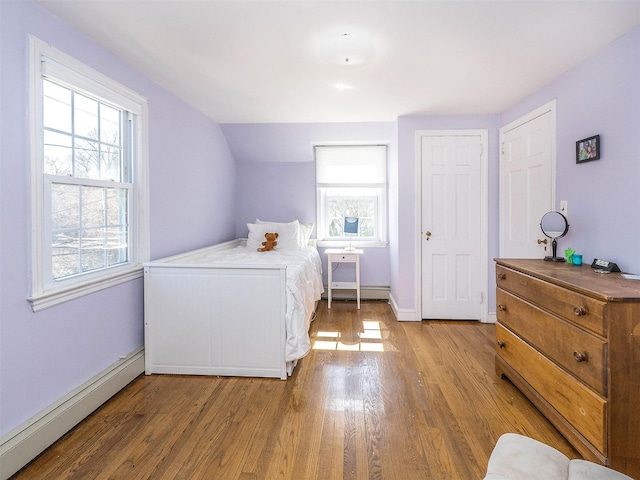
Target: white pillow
[304,233]
[288,238]
[304,230]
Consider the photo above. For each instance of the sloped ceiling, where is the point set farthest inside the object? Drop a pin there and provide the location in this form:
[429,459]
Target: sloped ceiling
[243,61]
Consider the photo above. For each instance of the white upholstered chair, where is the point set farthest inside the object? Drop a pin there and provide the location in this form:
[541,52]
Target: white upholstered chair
[516,457]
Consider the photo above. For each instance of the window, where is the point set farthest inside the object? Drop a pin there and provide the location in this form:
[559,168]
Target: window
[89,179]
[351,181]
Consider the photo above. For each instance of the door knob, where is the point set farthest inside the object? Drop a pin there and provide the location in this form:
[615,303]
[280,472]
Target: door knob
[542,241]
[428,235]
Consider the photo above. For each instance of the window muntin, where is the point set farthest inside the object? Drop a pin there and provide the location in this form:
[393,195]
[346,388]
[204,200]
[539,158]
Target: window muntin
[89,228]
[351,181]
[85,171]
[89,171]
[86,168]
[83,137]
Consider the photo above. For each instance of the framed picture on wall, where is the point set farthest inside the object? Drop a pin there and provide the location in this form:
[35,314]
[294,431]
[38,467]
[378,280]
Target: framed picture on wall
[588,149]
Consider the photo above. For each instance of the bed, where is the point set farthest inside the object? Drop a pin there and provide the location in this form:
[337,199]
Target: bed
[230,310]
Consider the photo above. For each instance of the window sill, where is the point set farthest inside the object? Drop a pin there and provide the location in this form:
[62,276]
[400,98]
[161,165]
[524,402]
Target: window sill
[54,297]
[343,244]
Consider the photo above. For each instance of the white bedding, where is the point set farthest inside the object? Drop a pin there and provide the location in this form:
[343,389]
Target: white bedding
[304,287]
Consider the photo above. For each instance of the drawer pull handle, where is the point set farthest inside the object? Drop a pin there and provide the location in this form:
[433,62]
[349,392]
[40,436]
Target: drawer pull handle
[580,311]
[580,357]
[502,308]
[502,276]
[501,344]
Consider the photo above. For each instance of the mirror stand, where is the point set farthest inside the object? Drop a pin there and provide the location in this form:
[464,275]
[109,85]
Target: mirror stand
[554,225]
[554,248]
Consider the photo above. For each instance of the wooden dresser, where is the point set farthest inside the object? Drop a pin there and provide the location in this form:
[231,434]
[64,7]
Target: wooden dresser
[569,339]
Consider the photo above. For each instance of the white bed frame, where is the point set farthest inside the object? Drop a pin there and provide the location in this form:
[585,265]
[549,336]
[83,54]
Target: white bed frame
[213,319]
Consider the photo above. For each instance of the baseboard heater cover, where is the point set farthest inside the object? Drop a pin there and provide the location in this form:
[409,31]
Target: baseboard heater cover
[366,293]
[24,443]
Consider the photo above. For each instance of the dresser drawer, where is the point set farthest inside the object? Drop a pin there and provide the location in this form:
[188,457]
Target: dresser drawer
[577,351]
[575,307]
[579,405]
[346,257]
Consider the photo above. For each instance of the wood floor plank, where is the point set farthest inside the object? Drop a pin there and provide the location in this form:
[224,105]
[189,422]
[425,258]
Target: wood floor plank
[374,399]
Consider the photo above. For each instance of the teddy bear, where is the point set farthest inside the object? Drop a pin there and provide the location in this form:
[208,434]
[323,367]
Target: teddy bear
[270,244]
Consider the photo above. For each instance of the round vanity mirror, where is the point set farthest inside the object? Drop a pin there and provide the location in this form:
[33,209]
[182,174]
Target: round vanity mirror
[554,225]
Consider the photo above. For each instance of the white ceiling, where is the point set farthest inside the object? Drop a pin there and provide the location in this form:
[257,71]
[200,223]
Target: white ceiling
[244,61]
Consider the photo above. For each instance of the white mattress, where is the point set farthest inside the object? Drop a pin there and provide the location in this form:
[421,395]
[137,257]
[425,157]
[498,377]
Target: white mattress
[304,287]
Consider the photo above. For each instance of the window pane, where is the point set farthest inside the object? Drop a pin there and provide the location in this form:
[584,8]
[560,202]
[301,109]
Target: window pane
[366,227]
[117,245]
[57,154]
[56,107]
[65,253]
[110,164]
[109,125]
[117,207]
[85,119]
[97,161]
[65,206]
[335,228]
[65,245]
[87,159]
[93,252]
[93,207]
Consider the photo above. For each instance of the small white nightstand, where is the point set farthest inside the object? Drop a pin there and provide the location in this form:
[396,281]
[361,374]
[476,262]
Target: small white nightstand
[335,255]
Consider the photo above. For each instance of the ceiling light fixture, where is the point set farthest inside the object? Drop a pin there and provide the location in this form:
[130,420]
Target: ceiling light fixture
[347,49]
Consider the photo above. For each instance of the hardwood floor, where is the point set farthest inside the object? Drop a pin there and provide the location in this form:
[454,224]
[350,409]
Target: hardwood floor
[375,399]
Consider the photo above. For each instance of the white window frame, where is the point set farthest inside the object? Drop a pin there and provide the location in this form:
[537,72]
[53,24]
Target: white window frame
[47,61]
[379,191]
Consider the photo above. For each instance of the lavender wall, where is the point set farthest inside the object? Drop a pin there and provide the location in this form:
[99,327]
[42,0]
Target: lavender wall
[275,191]
[45,355]
[276,177]
[192,179]
[600,96]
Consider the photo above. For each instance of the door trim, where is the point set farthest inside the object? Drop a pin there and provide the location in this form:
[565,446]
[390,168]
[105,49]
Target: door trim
[549,107]
[484,213]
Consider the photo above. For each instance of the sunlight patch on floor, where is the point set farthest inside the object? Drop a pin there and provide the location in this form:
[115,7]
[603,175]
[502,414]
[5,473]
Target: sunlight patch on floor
[370,339]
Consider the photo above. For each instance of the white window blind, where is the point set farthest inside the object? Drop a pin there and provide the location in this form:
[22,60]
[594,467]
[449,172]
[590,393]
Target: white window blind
[338,166]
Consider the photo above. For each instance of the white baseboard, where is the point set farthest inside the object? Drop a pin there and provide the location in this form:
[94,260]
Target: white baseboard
[491,317]
[24,443]
[402,315]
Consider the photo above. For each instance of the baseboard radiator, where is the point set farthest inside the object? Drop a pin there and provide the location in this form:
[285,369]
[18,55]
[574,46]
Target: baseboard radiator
[24,443]
[366,293]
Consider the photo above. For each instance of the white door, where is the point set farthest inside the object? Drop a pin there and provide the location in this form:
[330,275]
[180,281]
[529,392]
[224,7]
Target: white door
[527,161]
[451,226]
